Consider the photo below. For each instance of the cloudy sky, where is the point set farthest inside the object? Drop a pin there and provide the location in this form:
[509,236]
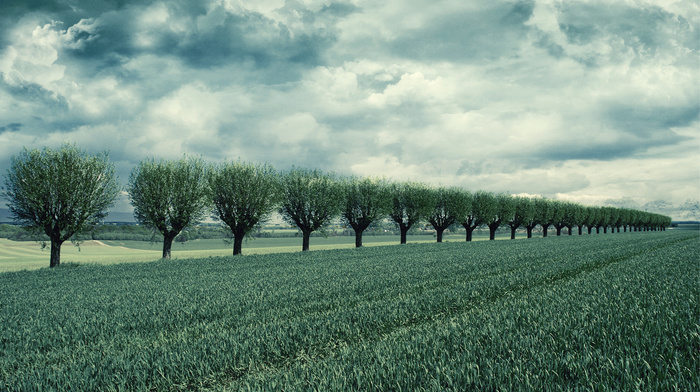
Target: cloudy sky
[587,100]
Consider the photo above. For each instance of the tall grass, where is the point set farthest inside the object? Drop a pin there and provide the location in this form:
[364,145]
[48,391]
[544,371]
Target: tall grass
[594,312]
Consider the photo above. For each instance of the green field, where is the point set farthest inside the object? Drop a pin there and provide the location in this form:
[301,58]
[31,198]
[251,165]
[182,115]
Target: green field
[19,255]
[614,312]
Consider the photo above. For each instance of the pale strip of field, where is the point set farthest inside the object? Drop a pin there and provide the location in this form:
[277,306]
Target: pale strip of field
[23,255]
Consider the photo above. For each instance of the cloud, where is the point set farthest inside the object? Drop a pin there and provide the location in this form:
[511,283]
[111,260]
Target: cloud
[582,98]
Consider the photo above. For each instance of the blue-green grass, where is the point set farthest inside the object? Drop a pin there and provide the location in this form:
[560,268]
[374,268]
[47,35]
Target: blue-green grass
[613,312]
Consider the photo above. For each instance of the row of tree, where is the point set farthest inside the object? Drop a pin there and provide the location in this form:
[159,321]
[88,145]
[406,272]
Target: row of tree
[66,191]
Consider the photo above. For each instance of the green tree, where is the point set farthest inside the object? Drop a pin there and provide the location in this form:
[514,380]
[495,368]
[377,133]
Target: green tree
[591,217]
[446,207]
[366,200]
[544,214]
[523,215]
[410,202]
[60,192]
[243,195]
[476,216]
[169,196]
[310,200]
[501,212]
[580,217]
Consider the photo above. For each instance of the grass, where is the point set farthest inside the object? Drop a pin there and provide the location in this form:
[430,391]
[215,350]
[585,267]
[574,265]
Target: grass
[29,255]
[607,312]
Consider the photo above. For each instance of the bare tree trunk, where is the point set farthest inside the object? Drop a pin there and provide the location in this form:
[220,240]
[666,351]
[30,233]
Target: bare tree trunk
[305,235]
[404,233]
[237,243]
[512,232]
[470,230]
[167,245]
[529,231]
[439,234]
[358,238]
[558,231]
[55,253]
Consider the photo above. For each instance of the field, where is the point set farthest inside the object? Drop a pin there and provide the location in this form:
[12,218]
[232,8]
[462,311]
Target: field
[19,255]
[598,312]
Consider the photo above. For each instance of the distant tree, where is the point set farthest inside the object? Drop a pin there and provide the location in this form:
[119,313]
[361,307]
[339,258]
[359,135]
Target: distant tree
[169,196]
[481,202]
[604,218]
[410,202]
[310,199]
[447,203]
[563,215]
[501,210]
[544,214]
[243,194]
[59,192]
[365,201]
[591,218]
[523,215]
[580,217]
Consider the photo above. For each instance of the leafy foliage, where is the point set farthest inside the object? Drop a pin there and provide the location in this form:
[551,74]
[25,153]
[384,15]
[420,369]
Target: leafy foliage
[366,201]
[243,194]
[169,196]
[60,192]
[310,200]
[410,203]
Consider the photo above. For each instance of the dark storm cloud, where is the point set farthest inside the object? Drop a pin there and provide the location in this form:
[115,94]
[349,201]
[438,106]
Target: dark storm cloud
[219,38]
[35,94]
[647,122]
[468,36]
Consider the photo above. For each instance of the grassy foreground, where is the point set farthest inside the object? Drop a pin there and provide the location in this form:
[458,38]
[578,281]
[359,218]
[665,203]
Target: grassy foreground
[615,312]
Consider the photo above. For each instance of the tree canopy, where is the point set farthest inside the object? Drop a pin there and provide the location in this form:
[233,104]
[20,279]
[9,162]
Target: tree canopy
[243,195]
[169,196]
[60,192]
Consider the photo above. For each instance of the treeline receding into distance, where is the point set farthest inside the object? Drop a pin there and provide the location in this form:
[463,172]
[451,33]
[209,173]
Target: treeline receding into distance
[63,192]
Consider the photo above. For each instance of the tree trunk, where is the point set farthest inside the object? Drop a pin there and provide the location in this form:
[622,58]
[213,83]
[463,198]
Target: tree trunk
[590,229]
[55,253]
[529,231]
[558,231]
[439,234]
[580,230]
[470,230]
[238,243]
[605,229]
[512,232]
[305,235]
[544,230]
[569,230]
[358,238]
[597,230]
[404,233]
[492,230]
[167,245]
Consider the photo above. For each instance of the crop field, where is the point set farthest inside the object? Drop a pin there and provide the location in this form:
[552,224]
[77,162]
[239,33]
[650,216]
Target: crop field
[19,255]
[598,312]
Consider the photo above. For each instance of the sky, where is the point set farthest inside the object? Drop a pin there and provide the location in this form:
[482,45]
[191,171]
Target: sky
[594,101]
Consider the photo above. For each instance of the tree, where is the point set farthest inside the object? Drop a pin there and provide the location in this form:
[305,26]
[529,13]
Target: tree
[169,196]
[544,214]
[502,211]
[446,206]
[580,217]
[366,200]
[591,218]
[60,192]
[475,216]
[243,195]
[310,199]
[523,215]
[410,202]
